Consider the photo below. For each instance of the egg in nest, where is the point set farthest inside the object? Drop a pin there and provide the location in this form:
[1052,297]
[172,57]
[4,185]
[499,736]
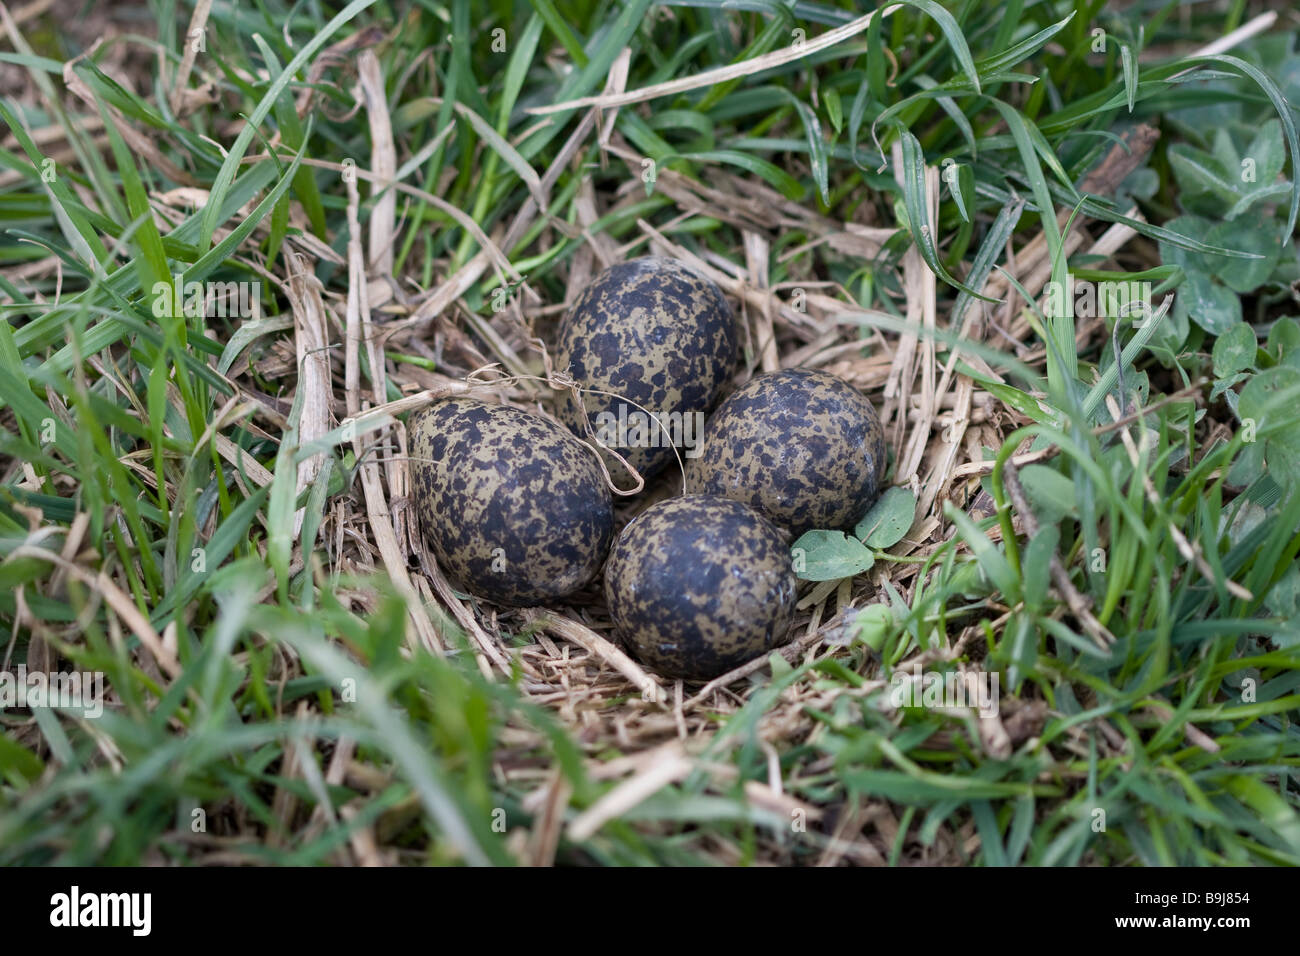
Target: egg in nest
[802,446]
[698,585]
[648,337]
[515,507]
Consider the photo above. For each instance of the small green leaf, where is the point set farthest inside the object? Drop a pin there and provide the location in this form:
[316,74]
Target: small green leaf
[889,518]
[817,157]
[1284,114]
[780,666]
[1246,275]
[1268,152]
[990,557]
[1248,466]
[834,109]
[1037,563]
[1271,808]
[18,761]
[1202,180]
[1049,492]
[964,194]
[829,556]
[1209,304]
[770,173]
[1267,406]
[1013,398]
[1267,396]
[1234,351]
[1129,63]
[1283,599]
[1222,385]
[872,625]
[1226,182]
[1284,341]
[970,581]
[1213,307]
[1024,648]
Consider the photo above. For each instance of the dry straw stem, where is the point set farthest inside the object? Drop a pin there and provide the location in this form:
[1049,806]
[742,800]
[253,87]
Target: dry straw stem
[230,413]
[490,250]
[722,74]
[616,84]
[335,774]
[29,11]
[737,287]
[921,292]
[597,646]
[488,652]
[284,805]
[361,839]
[379,415]
[122,605]
[181,82]
[383,163]
[789,652]
[544,839]
[1223,44]
[597,246]
[380,228]
[1164,713]
[853,817]
[670,765]
[750,206]
[358,326]
[311,344]
[757,257]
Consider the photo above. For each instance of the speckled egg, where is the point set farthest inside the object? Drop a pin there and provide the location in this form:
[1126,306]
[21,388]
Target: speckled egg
[656,335]
[803,446]
[515,507]
[698,585]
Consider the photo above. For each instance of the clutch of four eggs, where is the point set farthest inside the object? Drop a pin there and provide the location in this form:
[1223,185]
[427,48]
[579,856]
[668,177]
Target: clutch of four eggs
[518,511]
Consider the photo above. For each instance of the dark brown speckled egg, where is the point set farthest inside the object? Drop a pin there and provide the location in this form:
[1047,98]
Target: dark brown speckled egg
[658,336]
[803,446]
[698,585]
[515,507]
